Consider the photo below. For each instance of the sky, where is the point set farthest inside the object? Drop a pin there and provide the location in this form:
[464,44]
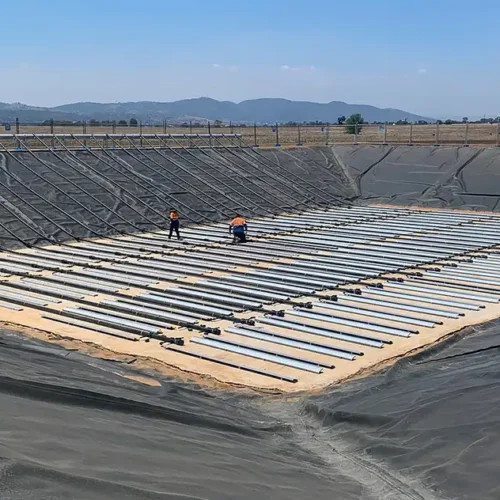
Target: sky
[437,58]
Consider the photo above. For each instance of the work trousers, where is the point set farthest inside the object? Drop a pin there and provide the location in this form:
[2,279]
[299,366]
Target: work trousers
[174,226]
[241,236]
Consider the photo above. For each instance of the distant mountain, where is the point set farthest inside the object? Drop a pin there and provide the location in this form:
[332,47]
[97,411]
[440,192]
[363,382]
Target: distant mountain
[203,108]
[32,114]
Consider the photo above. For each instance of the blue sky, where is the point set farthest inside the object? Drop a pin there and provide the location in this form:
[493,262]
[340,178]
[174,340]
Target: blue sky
[437,58]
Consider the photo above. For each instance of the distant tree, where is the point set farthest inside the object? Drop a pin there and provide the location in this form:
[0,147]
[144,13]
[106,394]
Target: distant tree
[449,122]
[465,119]
[354,124]
[218,123]
[497,120]
[422,122]
[341,120]
[439,122]
[94,123]
[123,123]
[133,122]
[61,122]
[316,123]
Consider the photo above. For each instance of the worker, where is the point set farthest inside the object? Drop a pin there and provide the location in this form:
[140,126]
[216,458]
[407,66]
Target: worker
[238,227]
[174,223]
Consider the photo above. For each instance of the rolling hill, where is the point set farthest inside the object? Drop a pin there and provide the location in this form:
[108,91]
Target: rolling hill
[260,111]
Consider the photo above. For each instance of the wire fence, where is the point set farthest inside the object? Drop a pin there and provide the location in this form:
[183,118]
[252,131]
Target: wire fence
[481,134]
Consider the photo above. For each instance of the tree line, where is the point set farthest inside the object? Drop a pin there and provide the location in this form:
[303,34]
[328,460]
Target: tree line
[95,123]
[357,118]
[354,124]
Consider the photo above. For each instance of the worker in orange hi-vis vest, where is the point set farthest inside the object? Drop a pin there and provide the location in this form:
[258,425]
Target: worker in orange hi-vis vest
[174,223]
[238,227]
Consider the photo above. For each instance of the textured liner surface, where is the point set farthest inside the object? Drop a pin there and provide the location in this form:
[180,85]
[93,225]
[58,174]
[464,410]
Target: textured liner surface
[97,193]
[440,177]
[83,194]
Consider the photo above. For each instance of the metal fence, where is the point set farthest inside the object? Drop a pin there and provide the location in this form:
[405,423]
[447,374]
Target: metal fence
[481,134]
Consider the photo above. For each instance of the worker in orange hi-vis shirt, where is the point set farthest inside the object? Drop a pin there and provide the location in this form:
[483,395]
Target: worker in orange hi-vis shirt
[174,223]
[238,227]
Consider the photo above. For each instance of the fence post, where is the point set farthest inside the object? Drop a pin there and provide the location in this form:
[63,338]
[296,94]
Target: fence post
[498,135]
[231,127]
[385,134]
[52,132]
[84,126]
[209,134]
[298,136]
[356,134]
[410,140]
[140,131]
[327,134]
[277,136]
[466,139]
[113,127]
[190,127]
[255,135]
[17,133]
[437,135]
